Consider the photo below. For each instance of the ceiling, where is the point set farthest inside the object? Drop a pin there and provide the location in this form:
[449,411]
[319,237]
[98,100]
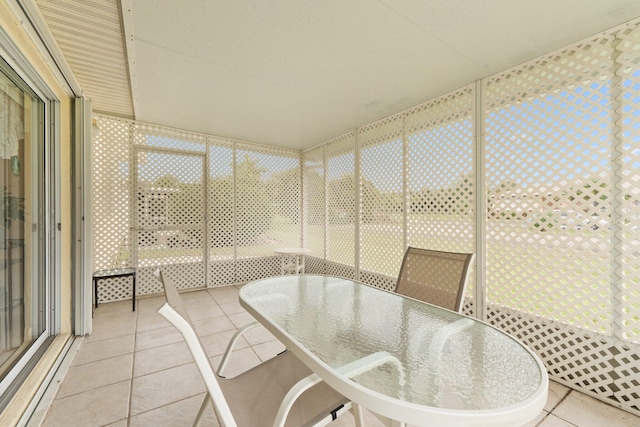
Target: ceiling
[296,73]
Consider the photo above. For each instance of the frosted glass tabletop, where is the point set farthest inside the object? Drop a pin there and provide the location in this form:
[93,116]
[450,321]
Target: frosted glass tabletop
[399,357]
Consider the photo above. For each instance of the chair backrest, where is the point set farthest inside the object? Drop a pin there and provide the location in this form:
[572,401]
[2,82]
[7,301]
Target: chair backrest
[175,312]
[435,277]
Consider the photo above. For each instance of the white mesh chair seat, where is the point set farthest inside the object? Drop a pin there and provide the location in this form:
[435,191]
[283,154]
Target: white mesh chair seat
[435,277]
[255,397]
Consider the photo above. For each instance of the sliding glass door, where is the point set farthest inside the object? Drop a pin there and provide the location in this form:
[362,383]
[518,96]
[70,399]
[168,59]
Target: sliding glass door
[23,295]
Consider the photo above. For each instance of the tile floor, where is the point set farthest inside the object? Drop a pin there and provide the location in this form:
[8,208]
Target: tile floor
[135,370]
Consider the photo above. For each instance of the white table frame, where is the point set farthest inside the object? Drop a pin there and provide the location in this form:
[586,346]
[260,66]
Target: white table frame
[403,411]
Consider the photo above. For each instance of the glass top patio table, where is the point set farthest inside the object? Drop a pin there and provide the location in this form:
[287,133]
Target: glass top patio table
[399,357]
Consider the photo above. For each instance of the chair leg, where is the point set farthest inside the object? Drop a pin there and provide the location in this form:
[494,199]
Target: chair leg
[202,408]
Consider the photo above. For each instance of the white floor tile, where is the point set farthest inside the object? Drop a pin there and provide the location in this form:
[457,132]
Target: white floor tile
[104,349]
[553,421]
[157,337]
[97,407]
[164,387]
[160,358]
[91,376]
[536,421]
[180,413]
[585,411]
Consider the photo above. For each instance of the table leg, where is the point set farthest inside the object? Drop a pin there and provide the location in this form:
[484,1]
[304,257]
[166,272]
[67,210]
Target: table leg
[134,292]
[95,290]
[357,414]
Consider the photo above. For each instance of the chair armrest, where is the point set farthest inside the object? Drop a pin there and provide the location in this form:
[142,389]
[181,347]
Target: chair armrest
[232,344]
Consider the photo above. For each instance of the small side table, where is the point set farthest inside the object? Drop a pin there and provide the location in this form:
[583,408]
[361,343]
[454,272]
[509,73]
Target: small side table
[111,274]
[292,259]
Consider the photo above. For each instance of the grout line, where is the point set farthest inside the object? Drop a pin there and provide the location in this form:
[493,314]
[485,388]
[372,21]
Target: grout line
[558,404]
[560,401]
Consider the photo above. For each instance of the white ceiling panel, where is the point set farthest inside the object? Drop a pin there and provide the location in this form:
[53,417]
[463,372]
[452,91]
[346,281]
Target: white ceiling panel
[89,34]
[297,73]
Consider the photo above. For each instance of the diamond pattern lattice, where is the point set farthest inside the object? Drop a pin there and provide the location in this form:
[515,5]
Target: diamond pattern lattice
[441,173]
[627,185]
[220,200]
[170,215]
[314,206]
[548,180]
[267,200]
[341,209]
[381,196]
[440,139]
[112,189]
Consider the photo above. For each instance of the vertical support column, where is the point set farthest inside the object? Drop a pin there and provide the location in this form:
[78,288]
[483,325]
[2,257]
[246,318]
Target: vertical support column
[83,216]
[356,224]
[301,204]
[326,207]
[405,175]
[481,206]
[206,230]
[235,214]
[133,191]
[617,147]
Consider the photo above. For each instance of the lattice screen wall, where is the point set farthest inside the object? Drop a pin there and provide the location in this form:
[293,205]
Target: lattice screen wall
[209,211]
[557,141]
[562,162]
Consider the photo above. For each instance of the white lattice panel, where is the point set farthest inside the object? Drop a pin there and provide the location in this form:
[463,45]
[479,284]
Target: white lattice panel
[378,280]
[440,141]
[256,268]
[115,289]
[314,201]
[441,173]
[340,270]
[547,127]
[220,200]
[170,205]
[112,192]
[598,365]
[563,146]
[268,207]
[170,214]
[341,205]
[381,196]
[627,186]
[314,265]
[182,275]
[221,273]
[152,136]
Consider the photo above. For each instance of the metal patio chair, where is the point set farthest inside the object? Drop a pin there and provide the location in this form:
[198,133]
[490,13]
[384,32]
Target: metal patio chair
[435,277]
[281,391]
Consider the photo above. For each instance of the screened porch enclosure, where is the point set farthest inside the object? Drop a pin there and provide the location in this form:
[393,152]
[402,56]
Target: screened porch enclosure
[536,170]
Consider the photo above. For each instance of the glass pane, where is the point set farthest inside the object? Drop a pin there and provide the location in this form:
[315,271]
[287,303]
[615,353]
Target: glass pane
[22,296]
